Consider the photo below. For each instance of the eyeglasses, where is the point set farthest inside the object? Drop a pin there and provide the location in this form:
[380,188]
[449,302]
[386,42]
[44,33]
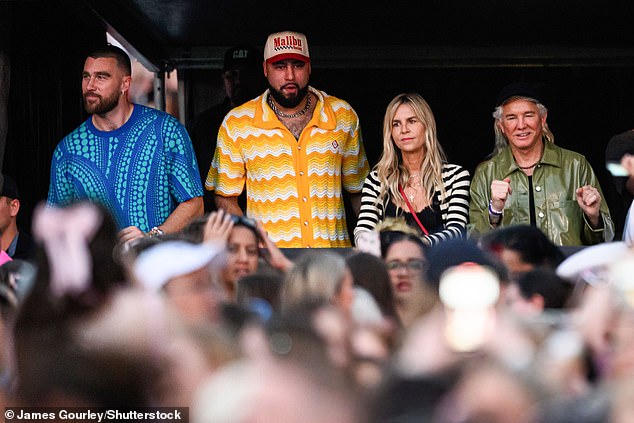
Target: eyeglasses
[413,266]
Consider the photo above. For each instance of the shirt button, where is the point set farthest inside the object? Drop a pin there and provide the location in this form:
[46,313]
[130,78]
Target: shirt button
[304,199]
[301,173]
[306,223]
[538,188]
[299,147]
[541,214]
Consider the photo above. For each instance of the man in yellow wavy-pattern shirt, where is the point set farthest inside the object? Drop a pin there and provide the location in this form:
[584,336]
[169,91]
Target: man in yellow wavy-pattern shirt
[295,148]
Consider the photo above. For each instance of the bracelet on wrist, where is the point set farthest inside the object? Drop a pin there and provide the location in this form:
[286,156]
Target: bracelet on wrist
[154,232]
[493,211]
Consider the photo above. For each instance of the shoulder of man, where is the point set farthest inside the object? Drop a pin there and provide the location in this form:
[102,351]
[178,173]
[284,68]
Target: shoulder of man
[72,137]
[161,114]
[486,164]
[25,248]
[567,154]
[245,109]
[332,101]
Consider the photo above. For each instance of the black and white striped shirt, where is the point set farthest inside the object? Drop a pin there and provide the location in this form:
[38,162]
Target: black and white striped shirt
[454,209]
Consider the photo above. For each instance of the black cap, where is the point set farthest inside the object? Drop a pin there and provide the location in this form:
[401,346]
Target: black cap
[244,57]
[456,251]
[9,187]
[620,145]
[517,89]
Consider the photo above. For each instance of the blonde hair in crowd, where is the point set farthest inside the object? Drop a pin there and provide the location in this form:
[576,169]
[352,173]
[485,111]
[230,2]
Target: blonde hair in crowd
[501,141]
[390,166]
[315,275]
[395,224]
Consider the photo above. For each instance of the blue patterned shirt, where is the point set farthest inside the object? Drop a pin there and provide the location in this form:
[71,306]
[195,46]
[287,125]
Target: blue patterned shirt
[140,171]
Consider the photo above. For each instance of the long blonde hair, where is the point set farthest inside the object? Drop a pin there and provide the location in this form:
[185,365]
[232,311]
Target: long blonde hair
[390,169]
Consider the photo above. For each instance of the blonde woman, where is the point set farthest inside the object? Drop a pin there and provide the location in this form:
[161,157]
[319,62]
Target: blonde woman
[412,178]
[319,275]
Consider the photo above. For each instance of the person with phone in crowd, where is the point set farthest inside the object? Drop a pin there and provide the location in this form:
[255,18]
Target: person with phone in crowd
[413,179]
[296,149]
[530,180]
[136,161]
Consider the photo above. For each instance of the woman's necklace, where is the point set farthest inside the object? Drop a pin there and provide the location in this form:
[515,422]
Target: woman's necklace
[280,113]
[411,194]
[412,183]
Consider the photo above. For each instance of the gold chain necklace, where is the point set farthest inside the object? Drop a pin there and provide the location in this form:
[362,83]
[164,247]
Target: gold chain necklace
[280,113]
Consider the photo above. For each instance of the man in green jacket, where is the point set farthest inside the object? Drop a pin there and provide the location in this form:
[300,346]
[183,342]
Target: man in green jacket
[530,180]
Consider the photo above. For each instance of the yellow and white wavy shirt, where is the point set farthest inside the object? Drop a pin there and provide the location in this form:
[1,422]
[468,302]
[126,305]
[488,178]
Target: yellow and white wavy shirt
[293,186]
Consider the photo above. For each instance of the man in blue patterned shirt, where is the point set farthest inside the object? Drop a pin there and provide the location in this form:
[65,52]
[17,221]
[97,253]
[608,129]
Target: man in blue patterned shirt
[136,161]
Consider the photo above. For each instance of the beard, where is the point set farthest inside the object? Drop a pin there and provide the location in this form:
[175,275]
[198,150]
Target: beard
[290,102]
[102,105]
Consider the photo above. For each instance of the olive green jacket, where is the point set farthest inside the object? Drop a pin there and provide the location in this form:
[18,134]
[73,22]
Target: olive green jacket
[555,180]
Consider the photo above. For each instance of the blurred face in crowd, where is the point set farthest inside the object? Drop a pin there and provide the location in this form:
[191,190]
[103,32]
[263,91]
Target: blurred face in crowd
[506,397]
[513,262]
[518,304]
[345,295]
[103,84]
[9,208]
[406,264]
[288,81]
[195,296]
[408,131]
[522,124]
[242,256]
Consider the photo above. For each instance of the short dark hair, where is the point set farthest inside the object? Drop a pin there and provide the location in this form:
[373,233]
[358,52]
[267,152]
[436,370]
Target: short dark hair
[532,245]
[543,281]
[8,188]
[392,237]
[112,51]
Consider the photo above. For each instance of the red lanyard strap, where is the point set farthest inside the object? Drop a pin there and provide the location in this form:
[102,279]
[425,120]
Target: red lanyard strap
[411,210]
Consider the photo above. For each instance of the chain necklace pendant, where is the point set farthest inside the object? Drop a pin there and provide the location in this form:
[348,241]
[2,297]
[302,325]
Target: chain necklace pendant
[411,195]
[281,114]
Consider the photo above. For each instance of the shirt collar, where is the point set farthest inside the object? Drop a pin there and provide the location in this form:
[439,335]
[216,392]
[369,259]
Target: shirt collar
[14,243]
[550,156]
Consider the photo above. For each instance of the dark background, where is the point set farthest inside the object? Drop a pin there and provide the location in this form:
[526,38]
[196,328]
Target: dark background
[457,54]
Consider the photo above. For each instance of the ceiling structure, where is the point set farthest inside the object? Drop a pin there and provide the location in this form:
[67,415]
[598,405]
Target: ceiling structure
[356,33]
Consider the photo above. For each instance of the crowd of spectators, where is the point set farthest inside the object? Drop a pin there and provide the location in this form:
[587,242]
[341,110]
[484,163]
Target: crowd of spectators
[507,329]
